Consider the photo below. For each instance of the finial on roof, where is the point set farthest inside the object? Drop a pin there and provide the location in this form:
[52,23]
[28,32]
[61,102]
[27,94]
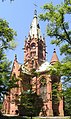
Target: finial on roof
[54,50]
[15,57]
[35,13]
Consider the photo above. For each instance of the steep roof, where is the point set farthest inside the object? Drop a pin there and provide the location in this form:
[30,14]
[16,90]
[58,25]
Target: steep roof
[16,67]
[34,27]
[54,57]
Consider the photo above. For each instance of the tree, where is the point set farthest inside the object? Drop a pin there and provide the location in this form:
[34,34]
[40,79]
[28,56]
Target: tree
[30,102]
[67,101]
[6,36]
[58,28]
[6,42]
[4,72]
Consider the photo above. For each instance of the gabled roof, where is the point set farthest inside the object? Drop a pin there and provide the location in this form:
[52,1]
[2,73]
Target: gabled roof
[16,67]
[44,67]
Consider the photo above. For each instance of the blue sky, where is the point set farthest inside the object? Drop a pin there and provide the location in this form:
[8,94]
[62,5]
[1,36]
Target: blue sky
[19,15]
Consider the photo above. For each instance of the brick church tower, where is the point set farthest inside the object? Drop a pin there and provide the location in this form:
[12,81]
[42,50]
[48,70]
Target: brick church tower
[35,48]
[35,58]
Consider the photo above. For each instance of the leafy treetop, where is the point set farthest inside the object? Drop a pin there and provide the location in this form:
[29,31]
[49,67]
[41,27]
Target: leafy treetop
[58,26]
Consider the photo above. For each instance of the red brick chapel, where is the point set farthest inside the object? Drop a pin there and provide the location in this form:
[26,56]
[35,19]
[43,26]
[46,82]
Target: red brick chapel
[35,57]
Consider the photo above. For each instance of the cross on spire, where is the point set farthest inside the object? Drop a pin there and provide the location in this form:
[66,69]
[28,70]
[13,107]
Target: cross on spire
[35,12]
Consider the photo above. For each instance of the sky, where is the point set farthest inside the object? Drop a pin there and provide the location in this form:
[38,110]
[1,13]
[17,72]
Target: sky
[19,14]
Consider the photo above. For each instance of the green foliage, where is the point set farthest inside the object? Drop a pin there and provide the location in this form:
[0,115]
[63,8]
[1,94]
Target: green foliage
[64,70]
[6,42]
[56,95]
[67,1]
[66,49]
[59,29]
[0,105]
[57,26]
[43,81]
[11,83]
[31,104]
[67,101]
[6,36]
[4,72]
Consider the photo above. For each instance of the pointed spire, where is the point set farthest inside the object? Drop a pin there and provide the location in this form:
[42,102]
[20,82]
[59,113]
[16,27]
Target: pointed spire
[54,58]
[34,27]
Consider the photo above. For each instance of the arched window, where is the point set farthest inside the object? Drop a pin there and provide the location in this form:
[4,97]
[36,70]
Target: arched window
[43,88]
[33,46]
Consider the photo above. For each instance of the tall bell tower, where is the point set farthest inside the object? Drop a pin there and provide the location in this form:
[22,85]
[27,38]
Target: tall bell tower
[34,48]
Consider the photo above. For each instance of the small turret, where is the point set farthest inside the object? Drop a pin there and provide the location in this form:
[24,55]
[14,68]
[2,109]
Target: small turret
[54,58]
